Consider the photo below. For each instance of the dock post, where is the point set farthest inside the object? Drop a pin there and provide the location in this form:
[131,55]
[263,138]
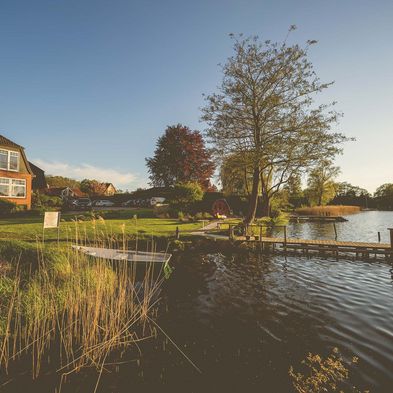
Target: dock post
[379,237]
[177,233]
[391,237]
[285,239]
[335,230]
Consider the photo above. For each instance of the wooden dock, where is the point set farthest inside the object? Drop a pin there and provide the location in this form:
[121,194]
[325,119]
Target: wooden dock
[364,250]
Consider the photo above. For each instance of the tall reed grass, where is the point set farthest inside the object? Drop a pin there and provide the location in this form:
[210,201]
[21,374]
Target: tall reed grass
[78,310]
[330,210]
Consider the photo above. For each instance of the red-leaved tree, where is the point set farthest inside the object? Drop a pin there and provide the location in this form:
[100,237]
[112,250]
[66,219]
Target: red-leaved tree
[180,156]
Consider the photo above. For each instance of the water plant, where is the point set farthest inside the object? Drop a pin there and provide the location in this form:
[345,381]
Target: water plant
[76,310]
[328,374]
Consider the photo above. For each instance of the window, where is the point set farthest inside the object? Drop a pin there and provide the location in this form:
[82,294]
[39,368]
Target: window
[4,187]
[4,159]
[9,160]
[14,188]
[14,161]
[18,188]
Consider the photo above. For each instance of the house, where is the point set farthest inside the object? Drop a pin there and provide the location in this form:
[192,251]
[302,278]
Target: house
[104,189]
[16,175]
[109,189]
[65,193]
[39,181]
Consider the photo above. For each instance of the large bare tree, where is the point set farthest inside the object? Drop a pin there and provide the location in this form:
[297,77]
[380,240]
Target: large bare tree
[265,110]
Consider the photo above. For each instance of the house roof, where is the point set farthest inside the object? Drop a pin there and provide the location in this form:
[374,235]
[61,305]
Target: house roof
[35,168]
[56,191]
[6,142]
[77,192]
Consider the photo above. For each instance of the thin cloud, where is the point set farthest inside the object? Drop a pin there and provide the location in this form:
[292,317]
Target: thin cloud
[87,171]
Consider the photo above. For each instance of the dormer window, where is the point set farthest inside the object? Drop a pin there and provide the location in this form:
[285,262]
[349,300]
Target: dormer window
[9,160]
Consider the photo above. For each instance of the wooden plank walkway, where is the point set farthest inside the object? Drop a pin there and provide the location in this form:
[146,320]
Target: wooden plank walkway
[334,243]
[360,249]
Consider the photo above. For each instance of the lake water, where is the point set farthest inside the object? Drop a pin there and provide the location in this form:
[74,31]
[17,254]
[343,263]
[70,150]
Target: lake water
[363,227]
[243,319]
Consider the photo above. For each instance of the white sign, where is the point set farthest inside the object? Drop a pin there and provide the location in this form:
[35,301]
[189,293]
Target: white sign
[51,220]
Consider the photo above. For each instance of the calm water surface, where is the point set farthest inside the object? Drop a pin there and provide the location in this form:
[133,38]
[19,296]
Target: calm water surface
[359,227]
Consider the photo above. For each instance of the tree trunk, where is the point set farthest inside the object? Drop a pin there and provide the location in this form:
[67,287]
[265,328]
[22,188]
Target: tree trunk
[320,199]
[252,207]
[265,205]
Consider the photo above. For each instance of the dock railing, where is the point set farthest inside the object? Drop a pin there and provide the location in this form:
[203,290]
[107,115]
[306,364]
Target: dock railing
[255,231]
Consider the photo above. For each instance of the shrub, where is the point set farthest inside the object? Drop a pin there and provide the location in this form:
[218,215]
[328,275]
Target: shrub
[198,216]
[46,202]
[185,194]
[6,207]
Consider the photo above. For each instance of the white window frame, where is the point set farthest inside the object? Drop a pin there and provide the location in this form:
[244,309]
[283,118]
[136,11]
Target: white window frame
[17,154]
[11,186]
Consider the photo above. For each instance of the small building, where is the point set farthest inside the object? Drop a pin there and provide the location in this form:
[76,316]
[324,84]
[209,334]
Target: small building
[103,189]
[65,193]
[16,175]
[109,189]
[39,181]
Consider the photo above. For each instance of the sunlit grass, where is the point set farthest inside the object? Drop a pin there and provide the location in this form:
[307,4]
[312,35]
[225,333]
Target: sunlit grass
[29,229]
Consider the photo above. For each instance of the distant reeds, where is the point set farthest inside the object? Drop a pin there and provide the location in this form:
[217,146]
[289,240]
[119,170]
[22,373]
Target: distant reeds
[76,309]
[330,210]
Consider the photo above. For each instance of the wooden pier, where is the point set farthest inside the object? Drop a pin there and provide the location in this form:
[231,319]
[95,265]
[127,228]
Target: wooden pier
[363,250]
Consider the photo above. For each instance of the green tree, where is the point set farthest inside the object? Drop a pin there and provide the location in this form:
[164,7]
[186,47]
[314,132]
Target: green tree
[265,111]
[236,175]
[184,194]
[180,156]
[321,185]
[60,181]
[90,186]
[385,190]
[345,189]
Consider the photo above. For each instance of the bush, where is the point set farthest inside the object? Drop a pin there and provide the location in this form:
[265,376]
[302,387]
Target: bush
[46,202]
[185,194]
[6,207]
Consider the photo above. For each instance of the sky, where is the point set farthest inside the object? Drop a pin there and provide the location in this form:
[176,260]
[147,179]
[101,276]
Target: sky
[87,86]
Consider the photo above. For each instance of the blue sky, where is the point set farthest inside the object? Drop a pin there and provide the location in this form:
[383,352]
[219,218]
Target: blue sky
[88,86]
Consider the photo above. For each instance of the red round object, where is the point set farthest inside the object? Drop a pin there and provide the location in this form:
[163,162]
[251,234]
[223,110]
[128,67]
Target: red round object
[221,208]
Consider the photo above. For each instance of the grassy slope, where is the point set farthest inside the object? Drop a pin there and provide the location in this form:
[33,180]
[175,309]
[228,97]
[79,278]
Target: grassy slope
[30,228]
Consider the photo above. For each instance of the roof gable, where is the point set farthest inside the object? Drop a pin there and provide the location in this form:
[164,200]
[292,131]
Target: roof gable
[8,143]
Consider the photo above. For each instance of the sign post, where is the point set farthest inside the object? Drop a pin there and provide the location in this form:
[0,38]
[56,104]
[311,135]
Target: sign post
[51,220]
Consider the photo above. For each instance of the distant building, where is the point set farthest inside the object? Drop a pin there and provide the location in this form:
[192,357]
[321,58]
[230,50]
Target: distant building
[39,181]
[64,192]
[104,189]
[16,175]
[109,189]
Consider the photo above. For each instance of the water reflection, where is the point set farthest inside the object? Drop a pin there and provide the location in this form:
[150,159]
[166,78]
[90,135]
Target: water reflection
[252,317]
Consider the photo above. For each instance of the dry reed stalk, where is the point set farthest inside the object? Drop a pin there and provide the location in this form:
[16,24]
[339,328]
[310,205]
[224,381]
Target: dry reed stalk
[80,308]
[338,210]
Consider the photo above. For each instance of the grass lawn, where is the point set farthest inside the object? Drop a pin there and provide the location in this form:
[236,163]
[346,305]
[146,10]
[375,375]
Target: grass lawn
[30,228]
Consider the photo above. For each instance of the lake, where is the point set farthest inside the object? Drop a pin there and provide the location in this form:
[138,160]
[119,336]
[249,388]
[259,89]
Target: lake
[243,319]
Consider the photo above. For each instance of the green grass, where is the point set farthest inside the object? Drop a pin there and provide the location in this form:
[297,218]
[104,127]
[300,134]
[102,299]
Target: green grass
[30,228]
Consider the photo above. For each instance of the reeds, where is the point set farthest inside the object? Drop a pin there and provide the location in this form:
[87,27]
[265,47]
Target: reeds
[78,310]
[330,210]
